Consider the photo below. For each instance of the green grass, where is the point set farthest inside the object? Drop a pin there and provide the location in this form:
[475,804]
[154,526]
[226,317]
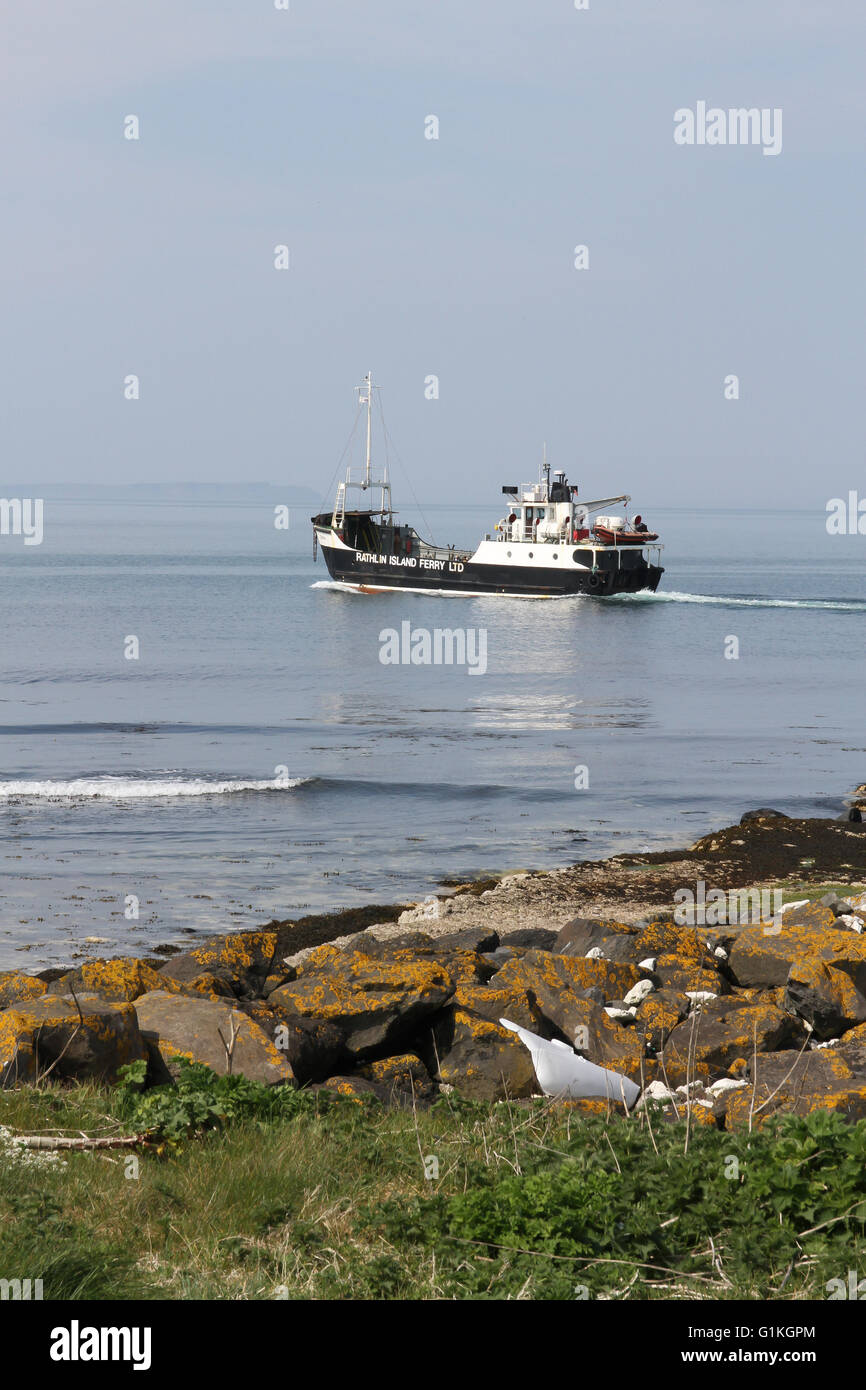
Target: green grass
[814,892]
[276,1194]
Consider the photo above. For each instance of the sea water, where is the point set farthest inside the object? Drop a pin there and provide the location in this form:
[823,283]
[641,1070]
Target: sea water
[251,755]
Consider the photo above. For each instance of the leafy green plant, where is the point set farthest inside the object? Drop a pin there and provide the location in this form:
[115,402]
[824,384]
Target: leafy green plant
[634,1213]
[202,1100]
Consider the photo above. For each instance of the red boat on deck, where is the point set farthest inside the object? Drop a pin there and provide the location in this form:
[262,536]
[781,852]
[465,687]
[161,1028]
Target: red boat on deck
[619,535]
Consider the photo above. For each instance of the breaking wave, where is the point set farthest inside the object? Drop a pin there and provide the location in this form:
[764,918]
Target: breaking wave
[137,788]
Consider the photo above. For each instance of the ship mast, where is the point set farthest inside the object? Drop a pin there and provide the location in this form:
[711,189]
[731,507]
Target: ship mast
[368,400]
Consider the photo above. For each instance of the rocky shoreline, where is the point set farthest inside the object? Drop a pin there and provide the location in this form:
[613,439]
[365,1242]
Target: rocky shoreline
[727,1022]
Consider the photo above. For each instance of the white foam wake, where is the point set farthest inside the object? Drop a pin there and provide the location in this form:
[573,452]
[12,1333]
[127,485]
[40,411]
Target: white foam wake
[135,788]
[370,587]
[673,596]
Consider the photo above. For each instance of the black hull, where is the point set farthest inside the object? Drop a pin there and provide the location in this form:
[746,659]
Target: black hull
[464,577]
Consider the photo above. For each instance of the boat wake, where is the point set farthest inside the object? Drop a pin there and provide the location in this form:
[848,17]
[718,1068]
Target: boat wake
[673,596]
[136,788]
[339,586]
[645,596]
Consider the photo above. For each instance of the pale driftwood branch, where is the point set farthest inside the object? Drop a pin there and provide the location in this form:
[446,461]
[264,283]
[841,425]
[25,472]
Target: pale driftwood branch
[50,1141]
[229,1047]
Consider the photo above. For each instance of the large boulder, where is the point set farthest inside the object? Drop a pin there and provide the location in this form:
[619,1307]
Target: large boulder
[531,938]
[764,956]
[460,958]
[481,939]
[825,996]
[16,987]
[816,1071]
[689,976]
[797,1082]
[687,944]
[574,974]
[659,1014]
[468,1049]
[481,1059]
[312,1047]
[19,1062]
[240,960]
[376,1003]
[817,915]
[122,979]
[583,934]
[707,1044]
[468,939]
[849,1102]
[211,1031]
[77,1038]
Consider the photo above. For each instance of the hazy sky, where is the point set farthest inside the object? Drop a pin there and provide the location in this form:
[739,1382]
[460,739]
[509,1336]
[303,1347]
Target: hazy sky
[451,257]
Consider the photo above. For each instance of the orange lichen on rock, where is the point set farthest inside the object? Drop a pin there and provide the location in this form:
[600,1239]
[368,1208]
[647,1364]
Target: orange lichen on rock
[764,955]
[595,1106]
[708,1045]
[243,959]
[212,1032]
[18,1057]
[689,975]
[406,1074]
[849,1102]
[124,978]
[354,1088]
[16,987]
[572,973]
[87,1036]
[659,1014]
[372,1000]
[670,939]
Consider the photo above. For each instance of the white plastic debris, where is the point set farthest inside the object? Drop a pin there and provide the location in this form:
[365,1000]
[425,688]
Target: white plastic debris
[847,919]
[801,902]
[615,1012]
[657,1090]
[725,1083]
[595,953]
[638,993]
[648,964]
[563,1074]
[691,1086]
[700,996]
[721,953]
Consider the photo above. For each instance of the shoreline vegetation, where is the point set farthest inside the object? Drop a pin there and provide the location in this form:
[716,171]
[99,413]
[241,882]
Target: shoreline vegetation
[330,1107]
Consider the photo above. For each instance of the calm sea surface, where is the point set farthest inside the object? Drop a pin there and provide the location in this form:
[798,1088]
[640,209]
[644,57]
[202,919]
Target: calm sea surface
[259,760]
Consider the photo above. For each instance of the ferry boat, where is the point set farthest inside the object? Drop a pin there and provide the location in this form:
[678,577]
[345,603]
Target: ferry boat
[547,544]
